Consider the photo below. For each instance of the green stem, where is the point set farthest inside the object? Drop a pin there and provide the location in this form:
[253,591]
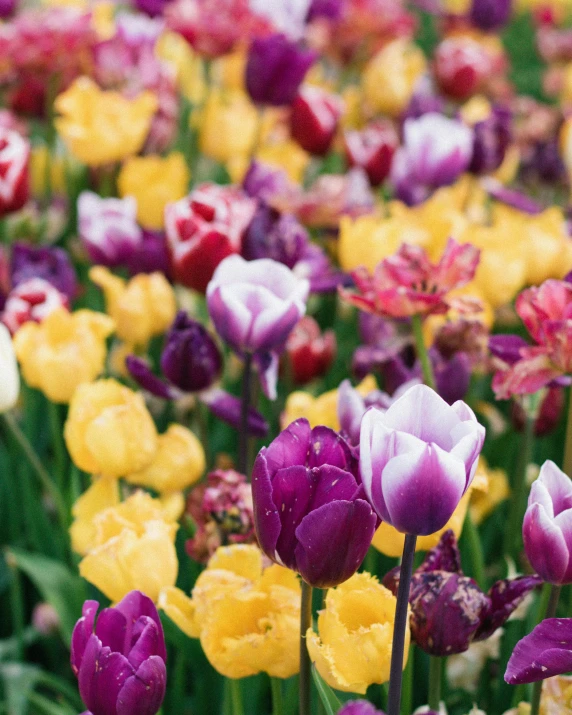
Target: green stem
[277,702]
[34,461]
[422,354]
[400,624]
[550,613]
[245,405]
[567,462]
[236,697]
[57,444]
[435,677]
[305,664]
[16,606]
[476,548]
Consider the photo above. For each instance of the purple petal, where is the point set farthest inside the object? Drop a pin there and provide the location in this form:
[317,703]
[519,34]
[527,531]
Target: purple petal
[82,631]
[351,408]
[445,556]
[505,596]
[557,484]
[544,544]
[545,652]
[507,347]
[359,707]
[513,198]
[333,541]
[328,447]
[266,518]
[267,366]
[292,489]
[111,628]
[101,676]
[228,409]
[143,692]
[290,447]
[135,605]
[144,377]
[146,644]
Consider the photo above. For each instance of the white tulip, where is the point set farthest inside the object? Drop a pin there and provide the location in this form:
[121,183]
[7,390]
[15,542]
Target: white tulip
[9,375]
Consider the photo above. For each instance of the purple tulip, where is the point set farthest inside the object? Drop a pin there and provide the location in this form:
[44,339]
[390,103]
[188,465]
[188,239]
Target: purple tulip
[108,228]
[448,610]
[47,262]
[359,707]
[418,459]
[545,652]
[275,69]
[492,137]
[119,660]
[150,255]
[310,511]
[511,197]
[547,526]
[153,8]
[265,182]
[436,150]
[273,235]
[325,9]
[254,305]
[490,15]
[507,347]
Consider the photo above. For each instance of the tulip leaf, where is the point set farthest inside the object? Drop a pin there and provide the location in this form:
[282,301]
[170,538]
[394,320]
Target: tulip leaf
[59,586]
[19,680]
[327,696]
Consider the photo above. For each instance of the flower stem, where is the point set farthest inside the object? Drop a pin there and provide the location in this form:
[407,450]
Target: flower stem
[243,434]
[236,697]
[476,548]
[435,677]
[567,462]
[34,461]
[17,607]
[422,354]
[550,613]
[305,665]
[400,624]
[277,704]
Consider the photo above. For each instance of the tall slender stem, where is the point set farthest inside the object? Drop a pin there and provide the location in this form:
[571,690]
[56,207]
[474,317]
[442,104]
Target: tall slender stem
[477,557]
[236,697]
[16,604]
[400,624]
[422,354]
[550,613]
[244,407]
[435,676]
[277,702]
[34,461]
[567,462]
[57,444]
[305,665]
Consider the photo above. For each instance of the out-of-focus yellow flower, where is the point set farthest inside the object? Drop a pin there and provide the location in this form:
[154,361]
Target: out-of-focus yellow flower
[228,71]
[352,648]
[246,616]
[178,462]
[390,77]
[142,307]
[566,145]
[173,505]
[101,127]
[39,171]
[64,351]
[133,548]
[321,410]
[103,18]
[458,7]
[390,541]
[109,430]
[547,245]
[187,65]
[285,154]
[229,125]
[101,494]
[353,116]
[154,181]
[484,501]
[557,696]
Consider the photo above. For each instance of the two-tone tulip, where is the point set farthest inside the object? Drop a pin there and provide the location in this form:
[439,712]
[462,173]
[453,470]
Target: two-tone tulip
[314,119]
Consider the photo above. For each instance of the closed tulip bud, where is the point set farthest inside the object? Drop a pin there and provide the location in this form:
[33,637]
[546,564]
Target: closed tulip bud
[461,66]
[119,657]
[275,69]
[492,137]
[14,171]
[9,369]
[309,508]
[271,234]
[31,300]
[547,526]
[418,458]
[310,352]
[372,149]
[314,119]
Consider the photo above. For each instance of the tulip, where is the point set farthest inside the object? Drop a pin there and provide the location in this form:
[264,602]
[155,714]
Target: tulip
[359,707]
[353,651]
[314,119]
[304,490]
[119,659]
[545,529]
[275,68]
[372,148]
[423,452]
[545,652]
[102,493]
[153,8]
[492,137]
[48,262]
[9,368]
[254,306]
[32,300]
[490,15]
[273,235]
[264,181]
[14,169]
[462,65]
[310,352]
[151,256]
[203,229]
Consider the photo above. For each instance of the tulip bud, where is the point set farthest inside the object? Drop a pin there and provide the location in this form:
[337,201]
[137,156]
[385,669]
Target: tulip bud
[34,300]
[314,119]
[273,235]
[9,370]
[461,66]
[14,170]
[492,137]
[45,619]
[359,707]
[275,69]
[119,660]
[310,352]
[372,149]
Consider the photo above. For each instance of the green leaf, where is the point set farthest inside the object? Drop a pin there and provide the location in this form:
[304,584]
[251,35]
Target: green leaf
[327,696]
[9,646]
[59,586]
[19,681]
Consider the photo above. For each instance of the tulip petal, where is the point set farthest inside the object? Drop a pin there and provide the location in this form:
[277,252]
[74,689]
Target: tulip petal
[143,692]
[505,596]
[544,544]
[507,347]
[111,628]
[266,518]
[144,377]
[228,409]
[558,484]
[232,318]
[328,447]
[267,365]
[134,605]
[101,676]
[333,541]
[146,644]
[290,447]
[82,631]
[422,490]
[545,652]
[292,491]
[443,557]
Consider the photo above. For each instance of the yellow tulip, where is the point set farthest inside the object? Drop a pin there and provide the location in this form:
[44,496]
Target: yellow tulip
[247,617]
[133,549]
[352,648]
[557,696]
[178,462]
[154,181]
[100,127]
[390,77]
[186,65]
[109,430]
[484,501]
[64,351]
[102,494]
[285,154]
[142,307]
[229,125]
[40,172]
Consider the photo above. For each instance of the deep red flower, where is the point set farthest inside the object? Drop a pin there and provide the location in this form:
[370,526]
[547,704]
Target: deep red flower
[310,352]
